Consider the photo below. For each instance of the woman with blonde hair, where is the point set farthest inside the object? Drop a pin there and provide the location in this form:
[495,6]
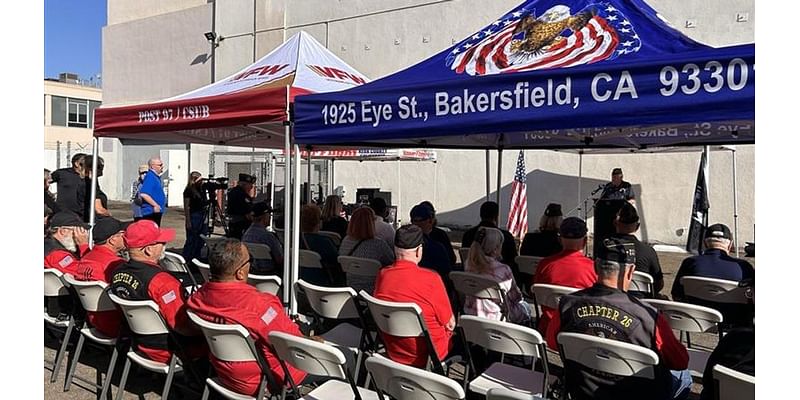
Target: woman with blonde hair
[484,255]
[332,220]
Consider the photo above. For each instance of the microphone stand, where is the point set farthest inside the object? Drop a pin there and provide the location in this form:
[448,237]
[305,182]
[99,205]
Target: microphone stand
[586,210]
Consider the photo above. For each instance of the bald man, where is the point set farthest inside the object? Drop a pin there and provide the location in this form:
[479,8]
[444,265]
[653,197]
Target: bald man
[154,201]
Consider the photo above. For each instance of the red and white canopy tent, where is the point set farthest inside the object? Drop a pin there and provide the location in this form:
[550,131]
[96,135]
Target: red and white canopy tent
[250,108]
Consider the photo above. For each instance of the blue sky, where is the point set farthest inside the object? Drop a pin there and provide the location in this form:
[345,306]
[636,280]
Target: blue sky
[72,37]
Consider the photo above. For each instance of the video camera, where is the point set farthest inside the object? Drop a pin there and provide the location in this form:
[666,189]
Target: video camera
[210,186]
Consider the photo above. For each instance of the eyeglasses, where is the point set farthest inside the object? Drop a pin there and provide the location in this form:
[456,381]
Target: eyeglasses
[246,262]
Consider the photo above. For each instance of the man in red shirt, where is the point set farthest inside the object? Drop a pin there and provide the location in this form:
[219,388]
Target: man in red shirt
[406,282]
[98,264]
[65,243]
[142,278]
[228,299]
[568,267]
[608,311]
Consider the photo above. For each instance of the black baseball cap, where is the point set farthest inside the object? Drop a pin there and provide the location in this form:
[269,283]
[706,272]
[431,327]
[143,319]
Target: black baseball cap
[573,228]
[421,212]
[628,214]
[616,171]
[261,208]
[408,237]
[617,250]
[67,218]
[718,231]
[247,178]
[107,227]
[553,210]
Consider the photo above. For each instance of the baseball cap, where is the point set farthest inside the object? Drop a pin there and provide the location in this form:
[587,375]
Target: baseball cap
[67,218]
[261,208]
[107,227]
[573,228]
[553,210]
[718,231]
[247,178]
[143,168]
[616,171]
[617,250]
[408,237]
[421,212]
[628,214]
[145,232]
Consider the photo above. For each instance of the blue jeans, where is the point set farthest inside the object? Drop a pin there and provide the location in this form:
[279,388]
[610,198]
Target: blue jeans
[193,245]
[681,384]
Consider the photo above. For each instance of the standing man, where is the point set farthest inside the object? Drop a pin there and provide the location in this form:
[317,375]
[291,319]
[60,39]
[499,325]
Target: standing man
[613,196]
[240,206]
[70,186]
[154,201]
[618,189]
[383,229]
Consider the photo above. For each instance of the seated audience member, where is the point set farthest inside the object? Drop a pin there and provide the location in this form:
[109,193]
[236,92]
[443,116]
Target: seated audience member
[142,278]
[434,255]
[544,242]
[483,259]
[568,267]
[439,235]
[490,214]
[228,299]
[626,223]
[66,242]
[49,197]
[625,318]
[404,281]
[383,229]
[258,233]
[310,239]
[332,219]
[99,263]
[361,242]
[715,262]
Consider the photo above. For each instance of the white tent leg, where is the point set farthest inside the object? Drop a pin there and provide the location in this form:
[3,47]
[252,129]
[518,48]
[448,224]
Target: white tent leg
[580,180]
[399,194]
[296,227]
[499,175]
[93,191]
[735,207]
[308,178]
[331,179]
[488,177]
[272,160]
[287,202]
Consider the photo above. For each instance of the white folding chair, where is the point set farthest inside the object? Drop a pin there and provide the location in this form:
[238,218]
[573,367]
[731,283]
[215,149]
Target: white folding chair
[733,385]
[480,286]
[505,338]
[337,240]
[93,298]
[548,296]
[144,318]
[716,290]
[528,264]
[174,262]
[205,269]
[690,318]
[309,259]
[54,286]
[402,382]
[259,251]
[463,253]
[265,283]
[318,359]
[499,393]
[232,343]
[642,282]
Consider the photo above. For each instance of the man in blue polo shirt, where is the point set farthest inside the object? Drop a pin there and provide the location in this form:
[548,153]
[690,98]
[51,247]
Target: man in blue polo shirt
[154,201]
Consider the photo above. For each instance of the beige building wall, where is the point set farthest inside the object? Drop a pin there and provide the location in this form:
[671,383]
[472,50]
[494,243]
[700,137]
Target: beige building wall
[55,136]
[153,50]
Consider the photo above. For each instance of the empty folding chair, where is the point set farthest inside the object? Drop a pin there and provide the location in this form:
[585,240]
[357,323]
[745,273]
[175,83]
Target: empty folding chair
[265,283]
[508,394]
[511,339]
[333,236]
[643,282]
[205,269]
[545,295]
[733,385]
[479,286]
[54,287]
[233,343]
[93,298]
[690,318]
[403,382]
[318,359]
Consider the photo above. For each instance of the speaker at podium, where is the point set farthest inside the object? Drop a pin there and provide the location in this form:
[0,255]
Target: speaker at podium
[605,211]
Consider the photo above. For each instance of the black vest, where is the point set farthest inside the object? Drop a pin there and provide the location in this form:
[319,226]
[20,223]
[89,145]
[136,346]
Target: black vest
[612,314]
[130,281]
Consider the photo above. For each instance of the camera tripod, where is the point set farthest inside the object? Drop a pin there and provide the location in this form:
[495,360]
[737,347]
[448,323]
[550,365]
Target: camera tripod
[213,214]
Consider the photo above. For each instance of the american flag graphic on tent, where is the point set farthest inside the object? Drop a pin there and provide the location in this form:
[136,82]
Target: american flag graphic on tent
[557,38]
[518,212]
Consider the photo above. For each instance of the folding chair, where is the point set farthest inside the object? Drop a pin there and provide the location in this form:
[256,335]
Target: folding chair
[690,318]
[528,264]
[233,343]
[716,290]
[643,282]
[54,286]
[318,359]
[360,266]
[312,260]
[403,382]
[337,240]
[144,318]
[208,242]
[265,283]
[548,296]
[507,394]
[93,298]
[505,338]
[205,269]
[481,287]
[463,253]
[174,262]
[259,251]
[733,385]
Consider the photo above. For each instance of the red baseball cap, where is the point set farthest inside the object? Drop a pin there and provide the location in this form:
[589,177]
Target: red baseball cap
[145,232]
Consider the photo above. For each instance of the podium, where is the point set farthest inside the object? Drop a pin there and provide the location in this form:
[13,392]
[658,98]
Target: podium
[605,211]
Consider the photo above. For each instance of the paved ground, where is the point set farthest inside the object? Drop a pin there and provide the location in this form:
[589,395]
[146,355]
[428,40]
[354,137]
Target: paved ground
[143,385]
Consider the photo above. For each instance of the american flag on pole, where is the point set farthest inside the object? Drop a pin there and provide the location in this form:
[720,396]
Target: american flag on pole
[522,41]
[518,212]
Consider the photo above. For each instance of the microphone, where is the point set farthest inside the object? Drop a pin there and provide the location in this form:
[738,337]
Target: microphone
[599,188]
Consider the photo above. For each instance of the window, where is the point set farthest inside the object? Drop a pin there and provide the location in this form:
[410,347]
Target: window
[77,113]
[58,111]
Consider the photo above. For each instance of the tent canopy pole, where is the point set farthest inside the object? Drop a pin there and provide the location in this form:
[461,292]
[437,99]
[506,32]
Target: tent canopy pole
[735,206]
[93,192]
[499,175]
[287,201]
[488,177]
[272,161]
[296,228]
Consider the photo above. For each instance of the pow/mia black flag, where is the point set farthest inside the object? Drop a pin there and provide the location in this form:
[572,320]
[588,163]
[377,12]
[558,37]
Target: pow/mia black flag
[699,220]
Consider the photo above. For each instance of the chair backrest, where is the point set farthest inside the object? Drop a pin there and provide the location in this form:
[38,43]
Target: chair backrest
[309,355]
[173,262]
[687,317]
[265,283]
[501,393]
[463,253]
[734,385]
[337,240]
[259,251]
[528,264]
[205,269]
[227,342]
[360,266]
[310,259]
[549,295]
[396,319]
[328,302]
[642,282]
[53,285]
[403,382]
[608,355]
[477,285]
[92,294]
[716,290]
[502,337]
[143,316]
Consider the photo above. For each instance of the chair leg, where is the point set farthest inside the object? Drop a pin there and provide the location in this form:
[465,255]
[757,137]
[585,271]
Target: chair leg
[109,374]
[124,378]
[76,354]
[62,350]
[205,393]
[170,374]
